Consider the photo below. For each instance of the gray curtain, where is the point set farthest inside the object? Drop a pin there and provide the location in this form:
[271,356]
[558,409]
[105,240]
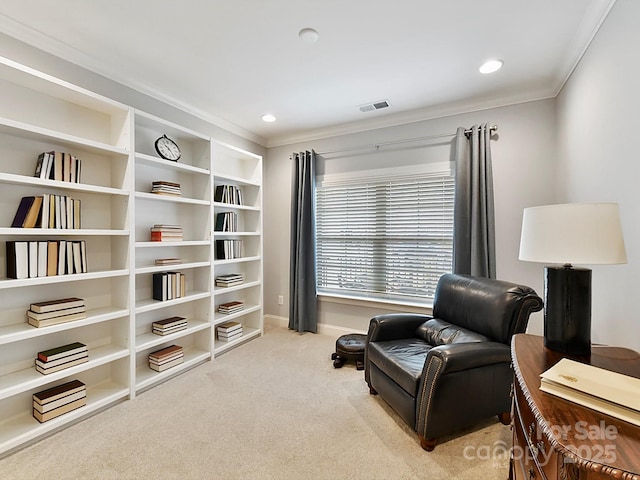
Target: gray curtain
[303,313]
[474,250]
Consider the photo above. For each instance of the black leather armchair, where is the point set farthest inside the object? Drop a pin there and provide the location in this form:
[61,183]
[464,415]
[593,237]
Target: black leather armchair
[446,371]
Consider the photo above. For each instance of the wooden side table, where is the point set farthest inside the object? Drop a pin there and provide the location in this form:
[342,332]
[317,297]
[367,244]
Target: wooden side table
[557,439]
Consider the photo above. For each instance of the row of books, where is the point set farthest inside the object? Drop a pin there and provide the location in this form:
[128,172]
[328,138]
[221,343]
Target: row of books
[228,248]
[45,258]
[165,358]
[53,312]
[229,331]
[48,211]
[168,285]
[166,233]
[55,401]
[59,358]
[226,222]
[58,166]
[228,194]
[161,187]
[169,325]
[229,280]
[231,307]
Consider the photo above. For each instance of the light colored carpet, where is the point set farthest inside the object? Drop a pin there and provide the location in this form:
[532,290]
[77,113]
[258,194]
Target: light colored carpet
[274,408]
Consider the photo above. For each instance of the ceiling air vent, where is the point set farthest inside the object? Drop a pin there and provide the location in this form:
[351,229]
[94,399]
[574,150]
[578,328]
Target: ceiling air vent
[368,107]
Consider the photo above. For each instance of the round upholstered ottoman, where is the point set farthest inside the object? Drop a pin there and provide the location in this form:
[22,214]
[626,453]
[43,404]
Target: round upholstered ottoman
[349,347]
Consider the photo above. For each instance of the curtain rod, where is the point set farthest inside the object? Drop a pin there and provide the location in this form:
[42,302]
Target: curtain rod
[492,130]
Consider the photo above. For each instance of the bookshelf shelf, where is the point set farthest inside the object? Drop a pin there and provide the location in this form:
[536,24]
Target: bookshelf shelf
[247,334]
[115,144]
[166,198]
[22,428]
[147,377]
[29,379]
[169,268]
[146,341]
[24,331]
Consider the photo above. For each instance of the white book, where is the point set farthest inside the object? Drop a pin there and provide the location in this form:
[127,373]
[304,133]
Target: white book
[43,248]
[602,390]
[44,217]
[33,259]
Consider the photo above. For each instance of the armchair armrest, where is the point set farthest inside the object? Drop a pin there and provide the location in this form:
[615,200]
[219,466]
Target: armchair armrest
[394,326]
[464,356]
[459,360]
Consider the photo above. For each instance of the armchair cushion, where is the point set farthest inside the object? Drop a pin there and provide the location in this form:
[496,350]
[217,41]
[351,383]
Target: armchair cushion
[438,332]
[403,360]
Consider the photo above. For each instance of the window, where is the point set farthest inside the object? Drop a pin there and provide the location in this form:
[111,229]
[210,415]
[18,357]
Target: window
[384,237]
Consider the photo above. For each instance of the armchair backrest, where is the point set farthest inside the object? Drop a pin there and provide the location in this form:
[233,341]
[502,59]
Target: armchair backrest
[493,308]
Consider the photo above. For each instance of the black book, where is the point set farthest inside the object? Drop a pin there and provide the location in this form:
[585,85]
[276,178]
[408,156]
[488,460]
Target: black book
[21,213]
[219,193]
[160,286]
[220,250]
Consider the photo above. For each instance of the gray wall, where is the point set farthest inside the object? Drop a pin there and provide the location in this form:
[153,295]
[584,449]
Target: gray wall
[524,175]
[598,160]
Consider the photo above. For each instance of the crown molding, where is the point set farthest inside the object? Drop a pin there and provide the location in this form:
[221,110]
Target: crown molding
[593,19]
[404,118]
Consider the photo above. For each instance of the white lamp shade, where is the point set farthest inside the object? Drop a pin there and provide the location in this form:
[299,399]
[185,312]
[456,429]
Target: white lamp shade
[574,233]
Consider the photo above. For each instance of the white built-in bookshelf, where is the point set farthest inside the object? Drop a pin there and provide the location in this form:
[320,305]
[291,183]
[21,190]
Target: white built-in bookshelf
[115,143]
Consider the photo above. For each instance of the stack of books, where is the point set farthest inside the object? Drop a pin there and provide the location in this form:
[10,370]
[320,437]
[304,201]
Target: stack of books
[229,280]
[43,314]
[168,285]
[229,331]
[58,166]
[169,325]
[44,258]
[230,307]
[59,358]
[55,401]
[162,187]
[166,233]
[168,357]
[168,261]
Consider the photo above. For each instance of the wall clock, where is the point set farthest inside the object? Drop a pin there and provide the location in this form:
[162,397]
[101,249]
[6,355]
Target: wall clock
[167,148]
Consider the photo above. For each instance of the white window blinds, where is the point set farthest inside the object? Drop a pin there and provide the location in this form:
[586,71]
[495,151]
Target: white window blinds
[385,238]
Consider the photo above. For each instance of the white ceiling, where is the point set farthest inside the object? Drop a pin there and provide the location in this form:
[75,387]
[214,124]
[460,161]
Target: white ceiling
[235,60]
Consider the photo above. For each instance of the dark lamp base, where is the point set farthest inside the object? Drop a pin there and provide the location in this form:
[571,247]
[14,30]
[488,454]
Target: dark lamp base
[567,314]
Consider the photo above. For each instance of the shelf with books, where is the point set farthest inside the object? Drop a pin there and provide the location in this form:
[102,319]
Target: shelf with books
[21,331]
[194,354]
[148,340]
[28,378]
[17,425]
[247,334]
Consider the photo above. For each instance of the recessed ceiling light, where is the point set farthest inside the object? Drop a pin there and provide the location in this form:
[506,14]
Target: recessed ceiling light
[491,66]
[267,117]
[308,35]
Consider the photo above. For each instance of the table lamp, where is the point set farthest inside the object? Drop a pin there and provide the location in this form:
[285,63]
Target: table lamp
[575,233]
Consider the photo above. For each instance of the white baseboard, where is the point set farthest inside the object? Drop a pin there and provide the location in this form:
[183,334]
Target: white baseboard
[323,328]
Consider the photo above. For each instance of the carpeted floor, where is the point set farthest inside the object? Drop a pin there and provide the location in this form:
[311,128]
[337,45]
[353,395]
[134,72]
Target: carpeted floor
[274,408]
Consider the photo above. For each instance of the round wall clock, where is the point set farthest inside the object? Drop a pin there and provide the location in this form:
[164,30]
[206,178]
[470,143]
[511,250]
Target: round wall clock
[167,148]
